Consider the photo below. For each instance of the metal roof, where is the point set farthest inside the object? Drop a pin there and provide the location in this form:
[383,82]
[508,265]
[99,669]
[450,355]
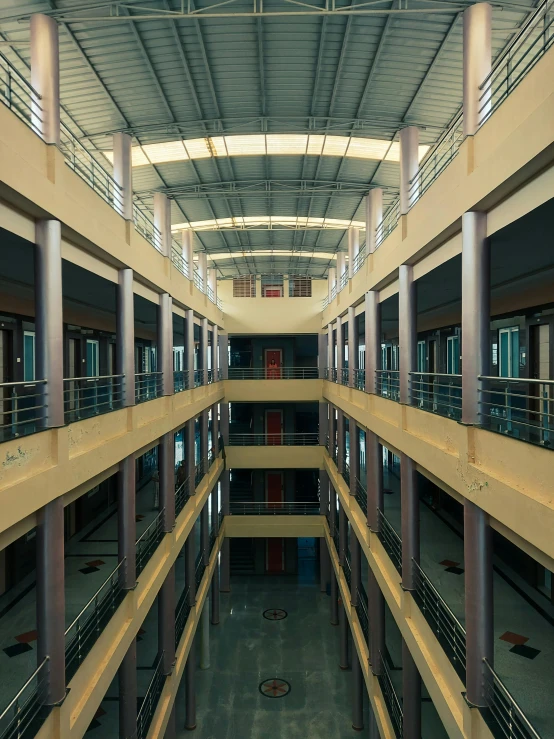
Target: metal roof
[164,70]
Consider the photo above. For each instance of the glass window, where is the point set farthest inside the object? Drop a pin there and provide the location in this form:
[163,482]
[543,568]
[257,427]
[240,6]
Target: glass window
[508,340]
[28,356]
[453,355]
[421,356]
[92,368]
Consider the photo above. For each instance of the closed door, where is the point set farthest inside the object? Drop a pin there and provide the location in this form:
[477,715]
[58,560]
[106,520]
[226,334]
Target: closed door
[273,363]
[274,427]
[275,549]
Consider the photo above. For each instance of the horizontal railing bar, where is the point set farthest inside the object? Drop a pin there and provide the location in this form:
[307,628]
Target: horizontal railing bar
[146,531]
[108,579]
[92,377]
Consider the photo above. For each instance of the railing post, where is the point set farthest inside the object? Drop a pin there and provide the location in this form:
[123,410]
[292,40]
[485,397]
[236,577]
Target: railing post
[407,310]
[476,65]
[410,520]
[45,77]
[125,336]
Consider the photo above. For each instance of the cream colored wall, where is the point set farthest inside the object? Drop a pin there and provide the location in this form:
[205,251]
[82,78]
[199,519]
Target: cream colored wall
[275,391]
[274,457]
[280,526]
[272,315]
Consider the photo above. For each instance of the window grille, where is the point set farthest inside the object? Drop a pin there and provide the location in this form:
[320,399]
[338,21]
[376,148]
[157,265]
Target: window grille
[244,287]
[272,286]
[300,287]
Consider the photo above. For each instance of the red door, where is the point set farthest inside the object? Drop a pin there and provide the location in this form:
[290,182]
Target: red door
[274,546]
[273,363]
[274,427]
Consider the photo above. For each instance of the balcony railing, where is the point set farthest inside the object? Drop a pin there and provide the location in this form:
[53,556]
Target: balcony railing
[25,713]
[198,281]
[523,408]
[359,379]
[359,260]
[199,568]
[388,224]
[343,280]
[180,380]
[90,396]
[269,508]
[182,494]
[273,373]
[150,702]
[18,95]
[391,698]
[346,473]
[390,540]
[198,377]
[344,376]
[446,627]
[22,408]
[199,473]
[144,224]
[148,541]
[177,258]
[509,721]
[438,393]
[148,385]
[361,610]
[361,496]
[388,384]
[331,374]
[275,439]
[182,612]
[83,633]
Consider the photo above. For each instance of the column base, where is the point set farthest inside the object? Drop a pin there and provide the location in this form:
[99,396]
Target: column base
[190,728]
[357,728]
[343,668]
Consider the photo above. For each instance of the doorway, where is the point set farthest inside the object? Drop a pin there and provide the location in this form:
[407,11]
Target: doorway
[274,427]
[273,364]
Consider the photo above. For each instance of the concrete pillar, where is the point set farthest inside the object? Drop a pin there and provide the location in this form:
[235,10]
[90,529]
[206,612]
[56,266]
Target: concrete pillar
[407,329]
[205,535]
[224,355]
[203,269]
[204,349]
[352,345]
[165,342]
[340,440]
[323,422]
[215,353]
[411,696]
[409,165]
[354,435]
[166,450]
[324,565]
[332,510]
[162,222]
[126,522]
[358,688]
[373,728]
[341,267]
[332,430]
[125,335]
[190,566]
[331,282]
[190,461]
[409,502]
[166,622]
[334,599]
[353,249]
[340,350]
[49,320]
[373,217]
[477,65]
[189,346]
[123,174]
[356,567]
[211,281]
[376,617]
[475,313]
[215,428]
[323,492]
[190,688]
[205,636]
[214,595]
[479,608]
[343,535]
[45,77]
[343,637]
[372,340]
[171,729]
[204,440]
[330,349]
[127,676]
[50,594]
[321,355]
[374,476]
[187,238]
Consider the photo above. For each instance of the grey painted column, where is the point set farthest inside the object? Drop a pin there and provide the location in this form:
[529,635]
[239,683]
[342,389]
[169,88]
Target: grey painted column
[409,164]
[225,559]
[341,267]
[373,218]
[374,473]
[214,595]
[190,567]
[224,355]
[215,352]
[475,313]
[45,77]
[189,346]
[203,269]
[165,340]
[330,349]
[205,534]
[332,510]
[171,730]
[376,617]
[353,249]
[49,318]
[166,449]
[204,349]
[204,440]
[50,596]
[324,565]
[477,65]
[341,442]
[411,696]
[127,676]
[162,221]
[123,174]
[125,335]
[190,462]
[187,238]
[354,454]
[340,349]
[343,534]
[410,520]
[323,422]
[322,339]
[352,345]
[166,622]
[331,283]
[343,637]
[204,629]
[479,606]
[215,428]
[356,566]
[372,339]
[332,430]
[126,522]
[334,599]
[323,492]
[358,688]
[407,329]
[373,728]
[190,688]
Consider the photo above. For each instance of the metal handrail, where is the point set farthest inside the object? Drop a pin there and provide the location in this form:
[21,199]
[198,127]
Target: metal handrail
[359,259]
[363,616]
[95,398]
[147,385]
[16,417]
[150,537]
[343,280]
[273,508]
[511,720]
[274,439]
[20,96]
[20,713]
[391,698]
[178,259]
[144,224]
[361,496]
[182,612]
[388,383]
[390,540]
[273,373]
[151,698]
[429,392]
[180,380]
[182,494]
[388,224]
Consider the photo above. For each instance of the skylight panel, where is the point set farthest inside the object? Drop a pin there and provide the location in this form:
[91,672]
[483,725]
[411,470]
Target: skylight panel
[287,144]
[248,145]
[394,152]
[367,148]
[167,151]
[335,146]
[315,145]
[198,148]
[217,146]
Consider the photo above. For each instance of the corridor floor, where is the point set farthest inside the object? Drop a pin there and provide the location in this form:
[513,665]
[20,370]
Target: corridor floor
[246,649]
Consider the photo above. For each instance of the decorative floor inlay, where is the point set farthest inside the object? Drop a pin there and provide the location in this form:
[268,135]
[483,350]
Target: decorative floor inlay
[274,687]
[275,614]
